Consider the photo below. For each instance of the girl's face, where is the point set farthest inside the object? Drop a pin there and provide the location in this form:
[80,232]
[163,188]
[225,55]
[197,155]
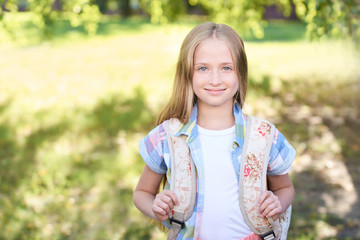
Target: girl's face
[215,81]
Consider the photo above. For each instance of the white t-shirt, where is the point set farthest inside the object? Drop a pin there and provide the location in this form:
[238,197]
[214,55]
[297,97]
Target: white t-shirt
[222,218]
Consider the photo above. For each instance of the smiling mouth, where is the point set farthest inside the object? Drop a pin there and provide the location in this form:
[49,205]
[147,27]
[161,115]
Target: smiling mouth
[215,91]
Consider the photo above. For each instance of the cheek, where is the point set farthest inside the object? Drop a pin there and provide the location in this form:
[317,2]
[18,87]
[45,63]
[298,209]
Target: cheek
[235,85]
[197,82]
[195,86]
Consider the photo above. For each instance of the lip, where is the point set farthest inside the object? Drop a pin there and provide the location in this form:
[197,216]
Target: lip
[215,91]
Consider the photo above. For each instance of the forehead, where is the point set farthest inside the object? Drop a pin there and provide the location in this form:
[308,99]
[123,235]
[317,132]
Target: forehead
[213,50]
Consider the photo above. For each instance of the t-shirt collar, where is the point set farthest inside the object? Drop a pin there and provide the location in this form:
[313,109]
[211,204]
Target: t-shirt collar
[190,128]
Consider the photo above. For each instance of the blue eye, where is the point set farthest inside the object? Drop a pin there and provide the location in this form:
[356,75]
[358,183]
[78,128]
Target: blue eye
[203,69]
[227,68]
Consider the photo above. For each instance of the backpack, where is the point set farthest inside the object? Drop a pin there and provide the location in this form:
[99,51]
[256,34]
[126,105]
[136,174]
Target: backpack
[254,160]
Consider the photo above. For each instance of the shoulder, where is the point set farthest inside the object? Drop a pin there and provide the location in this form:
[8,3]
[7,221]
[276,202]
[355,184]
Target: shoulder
[156,136]
[153,147]
[282,153]
[262,126]
[255,118]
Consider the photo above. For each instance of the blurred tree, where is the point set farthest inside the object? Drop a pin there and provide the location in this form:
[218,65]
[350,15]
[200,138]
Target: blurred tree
[244,15]
[163,11]
[125,8]
[44,15]
[121,7]
[102,4]
[336,18]
[45,12]
[82,13]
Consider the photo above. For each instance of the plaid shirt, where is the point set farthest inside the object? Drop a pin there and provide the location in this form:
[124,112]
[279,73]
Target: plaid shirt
[155,152]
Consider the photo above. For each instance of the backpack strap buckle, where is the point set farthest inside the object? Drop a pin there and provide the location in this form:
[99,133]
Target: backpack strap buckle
[268,235]
[181,223]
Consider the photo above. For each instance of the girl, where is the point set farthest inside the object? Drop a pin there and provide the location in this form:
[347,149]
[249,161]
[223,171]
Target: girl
[209,91]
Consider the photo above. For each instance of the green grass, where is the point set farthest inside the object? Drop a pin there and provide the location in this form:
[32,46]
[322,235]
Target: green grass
[73,109]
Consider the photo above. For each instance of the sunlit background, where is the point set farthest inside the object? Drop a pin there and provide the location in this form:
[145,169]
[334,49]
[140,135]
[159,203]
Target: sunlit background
[82,81]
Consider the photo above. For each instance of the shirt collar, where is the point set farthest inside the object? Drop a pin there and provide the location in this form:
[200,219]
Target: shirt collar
[240,125]
[190,128]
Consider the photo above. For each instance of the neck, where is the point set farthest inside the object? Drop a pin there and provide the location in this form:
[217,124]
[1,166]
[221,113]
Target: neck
[215,118]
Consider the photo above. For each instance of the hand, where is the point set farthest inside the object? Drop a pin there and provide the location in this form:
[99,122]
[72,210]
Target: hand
[269,205]
[163,204]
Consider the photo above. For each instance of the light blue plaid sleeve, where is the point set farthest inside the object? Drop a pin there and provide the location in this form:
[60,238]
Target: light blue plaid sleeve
[151,150]
[282,155]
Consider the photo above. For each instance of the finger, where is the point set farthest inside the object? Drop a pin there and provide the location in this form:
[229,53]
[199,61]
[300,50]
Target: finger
[265,204]
[271,207]
[159,203]
[165,199]
[158,210]
[161,217]
[274,213]
[263,197]
[162,202]
[173,196]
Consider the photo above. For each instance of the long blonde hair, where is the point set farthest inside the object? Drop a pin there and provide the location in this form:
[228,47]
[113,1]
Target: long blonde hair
[183,98]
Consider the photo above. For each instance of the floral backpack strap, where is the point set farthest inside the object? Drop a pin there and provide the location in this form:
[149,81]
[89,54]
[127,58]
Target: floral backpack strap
[182,179]
[254,160]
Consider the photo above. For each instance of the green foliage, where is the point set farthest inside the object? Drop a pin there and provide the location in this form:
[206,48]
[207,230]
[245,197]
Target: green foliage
[43,16]
[83,13]
[245,16]
[334,18]
[163,11]
[242,15]
[330,17]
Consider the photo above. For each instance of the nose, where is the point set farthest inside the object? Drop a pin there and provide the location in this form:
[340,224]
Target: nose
[215,78]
